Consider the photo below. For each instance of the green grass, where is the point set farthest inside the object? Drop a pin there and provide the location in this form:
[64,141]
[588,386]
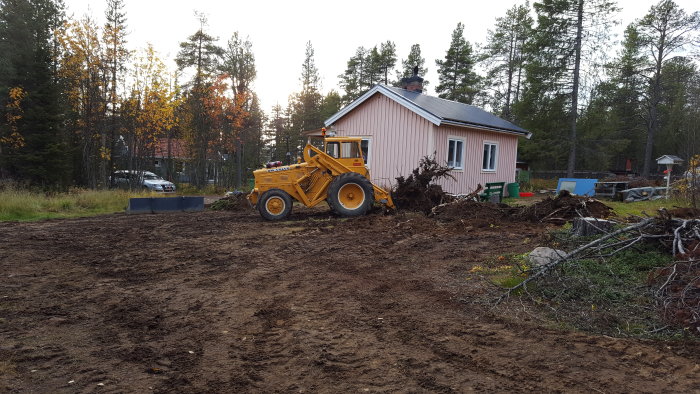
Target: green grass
[25,205]
[609,296]
[191,190]
[639,208]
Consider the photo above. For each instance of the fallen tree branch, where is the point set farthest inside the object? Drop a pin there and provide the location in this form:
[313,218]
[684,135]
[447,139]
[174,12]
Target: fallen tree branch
[545,269]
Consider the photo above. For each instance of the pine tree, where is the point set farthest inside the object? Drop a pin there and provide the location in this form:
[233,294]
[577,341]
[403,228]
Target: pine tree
[505,58]
[306,104]
[387,54]
[569,36]
[665,30]
[678,112]
[413,59]
[201,53]
[330,104]
[367,68]
[239,66]
[30,94]
[614,120]
[116,55]
[86,86]
[352,80]
[458,80]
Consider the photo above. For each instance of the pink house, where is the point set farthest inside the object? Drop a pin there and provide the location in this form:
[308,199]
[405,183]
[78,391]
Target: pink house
[400,126]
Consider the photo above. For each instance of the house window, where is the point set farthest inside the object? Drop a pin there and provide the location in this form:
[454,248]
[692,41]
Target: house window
[490,156]
[364,145]
[455,153]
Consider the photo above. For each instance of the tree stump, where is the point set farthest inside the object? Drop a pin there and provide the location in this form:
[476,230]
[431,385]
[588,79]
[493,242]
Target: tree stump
[591,226]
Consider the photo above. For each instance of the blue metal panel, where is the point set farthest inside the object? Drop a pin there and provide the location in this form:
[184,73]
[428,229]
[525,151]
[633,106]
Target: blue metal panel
[139,205]
[165,204]
[192,204]
[580,186]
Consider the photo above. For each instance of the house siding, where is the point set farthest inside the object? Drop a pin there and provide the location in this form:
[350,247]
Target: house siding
[467,179]
[400,138]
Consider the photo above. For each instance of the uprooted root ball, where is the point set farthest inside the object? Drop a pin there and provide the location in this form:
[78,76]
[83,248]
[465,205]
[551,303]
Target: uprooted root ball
[418,192]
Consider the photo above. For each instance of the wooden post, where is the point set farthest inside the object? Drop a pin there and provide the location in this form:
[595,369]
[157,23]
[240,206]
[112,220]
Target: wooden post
[668,179]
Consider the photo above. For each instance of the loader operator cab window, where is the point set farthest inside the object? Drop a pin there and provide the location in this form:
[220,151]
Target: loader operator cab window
[349,150]
[343,150]
[333,149]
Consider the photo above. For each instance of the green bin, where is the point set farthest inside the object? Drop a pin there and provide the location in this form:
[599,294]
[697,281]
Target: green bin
[514,190]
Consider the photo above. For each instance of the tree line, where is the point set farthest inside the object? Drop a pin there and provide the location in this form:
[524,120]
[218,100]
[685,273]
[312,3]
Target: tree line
[77,104]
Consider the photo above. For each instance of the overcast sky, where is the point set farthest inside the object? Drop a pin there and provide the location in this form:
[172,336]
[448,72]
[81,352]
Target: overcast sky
[279,30]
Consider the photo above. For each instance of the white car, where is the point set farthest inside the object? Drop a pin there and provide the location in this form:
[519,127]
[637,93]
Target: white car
[147,179]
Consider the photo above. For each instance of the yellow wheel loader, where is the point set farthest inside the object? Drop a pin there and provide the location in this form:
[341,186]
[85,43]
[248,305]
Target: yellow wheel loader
[336,174]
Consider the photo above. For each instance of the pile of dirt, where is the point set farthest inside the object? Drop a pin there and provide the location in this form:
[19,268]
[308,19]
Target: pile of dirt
[685,213]
[232,202]
[563,208]
[418,192]
[473,210]
[634,182]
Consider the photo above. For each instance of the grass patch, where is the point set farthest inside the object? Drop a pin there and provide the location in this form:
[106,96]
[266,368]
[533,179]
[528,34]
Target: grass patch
[26,205]
[505,271]
[640,208]
[609,296]
[536,184]
[191,190]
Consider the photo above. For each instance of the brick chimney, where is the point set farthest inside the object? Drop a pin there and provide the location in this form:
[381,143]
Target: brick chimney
[414,83]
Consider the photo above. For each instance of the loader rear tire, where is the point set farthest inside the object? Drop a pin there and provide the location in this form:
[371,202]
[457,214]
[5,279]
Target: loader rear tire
[275,204]
[350,194]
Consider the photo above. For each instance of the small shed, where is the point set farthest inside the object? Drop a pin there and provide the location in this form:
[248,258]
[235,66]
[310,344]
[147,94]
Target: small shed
[669,159]
[399,126]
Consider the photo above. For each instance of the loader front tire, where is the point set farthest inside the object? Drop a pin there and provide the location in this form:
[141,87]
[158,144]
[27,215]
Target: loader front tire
[350,194]
[275,204]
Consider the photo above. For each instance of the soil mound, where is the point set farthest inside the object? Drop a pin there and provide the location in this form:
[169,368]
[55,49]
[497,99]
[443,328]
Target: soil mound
[563,208]
[634,182]
[232,202]
[685,213]
[470,210]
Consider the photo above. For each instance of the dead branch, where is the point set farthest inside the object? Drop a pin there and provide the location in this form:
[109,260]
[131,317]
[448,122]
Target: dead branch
[545,269]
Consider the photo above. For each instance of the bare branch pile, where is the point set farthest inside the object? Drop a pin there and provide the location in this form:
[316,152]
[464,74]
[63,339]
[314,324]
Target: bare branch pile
[678,294]
[232,202]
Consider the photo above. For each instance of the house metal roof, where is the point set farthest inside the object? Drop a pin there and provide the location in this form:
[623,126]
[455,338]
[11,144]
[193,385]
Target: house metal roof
[437,111]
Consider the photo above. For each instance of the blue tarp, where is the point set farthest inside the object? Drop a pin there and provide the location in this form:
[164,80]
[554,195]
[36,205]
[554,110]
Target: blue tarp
[578,186]
[165,204]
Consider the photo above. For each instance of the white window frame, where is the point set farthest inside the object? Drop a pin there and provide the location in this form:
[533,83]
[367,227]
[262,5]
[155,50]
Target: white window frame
[495,159]
[369,149]
[463,141]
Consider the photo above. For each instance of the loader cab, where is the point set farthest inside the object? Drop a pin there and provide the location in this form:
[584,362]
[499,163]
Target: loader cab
[348,151]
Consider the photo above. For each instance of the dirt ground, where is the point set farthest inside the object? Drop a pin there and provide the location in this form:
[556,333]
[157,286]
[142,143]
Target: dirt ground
[225,302]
